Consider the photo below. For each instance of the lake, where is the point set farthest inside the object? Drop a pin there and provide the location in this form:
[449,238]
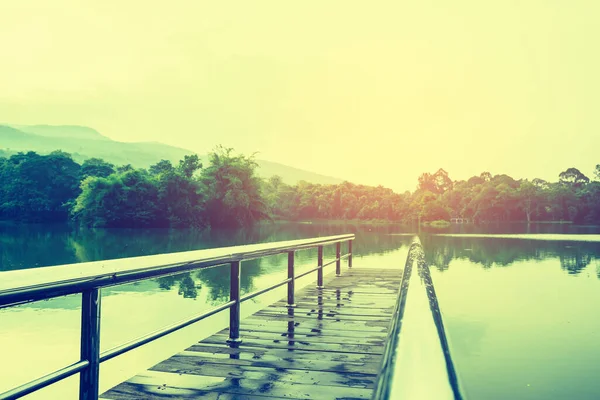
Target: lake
[520,311]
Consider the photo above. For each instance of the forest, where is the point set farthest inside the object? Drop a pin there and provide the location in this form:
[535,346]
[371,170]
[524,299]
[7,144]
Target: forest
[482,199]
[228,193]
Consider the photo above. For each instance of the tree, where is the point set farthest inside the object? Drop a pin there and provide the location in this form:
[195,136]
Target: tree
[573,176]
[540,183]
[161,167]
[486,176]
[442,181]
[232,190]
[38,188]
[562,202]
[189,165]
[180,193]
[123,199]
[125,168]
[96,167]
[427,183]
[527,193]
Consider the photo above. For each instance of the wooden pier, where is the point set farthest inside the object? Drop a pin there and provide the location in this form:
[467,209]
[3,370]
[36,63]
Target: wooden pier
[328,346]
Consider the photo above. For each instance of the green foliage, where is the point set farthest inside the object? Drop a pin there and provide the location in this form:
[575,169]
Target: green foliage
[483,198]
[164,196]
[573,176]
[38,188]
[189,165]
[96,167]
[180,195]
[123,199]
[227,193]
[232,189]
[440,223]
[161,167]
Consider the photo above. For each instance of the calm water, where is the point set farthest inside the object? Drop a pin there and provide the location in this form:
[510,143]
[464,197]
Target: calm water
[520,314]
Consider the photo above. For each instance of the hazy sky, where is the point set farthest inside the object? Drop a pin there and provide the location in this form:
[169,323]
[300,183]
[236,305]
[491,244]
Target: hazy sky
[375,92]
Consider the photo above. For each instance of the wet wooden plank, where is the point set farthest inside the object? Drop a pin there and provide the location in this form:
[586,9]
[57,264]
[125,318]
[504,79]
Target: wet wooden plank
[195,365]
[299,344]
[259,356]
[312,322]
[328,347]
[314,332]
[336,305]
[315,324]
[323,316]
[310,339]
[165,384]
[325,310]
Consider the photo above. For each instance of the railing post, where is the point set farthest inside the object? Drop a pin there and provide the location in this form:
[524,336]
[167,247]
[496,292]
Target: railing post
[320,270]
[234,295]
[350,253]
[291,274]
[338,254]
[90,344]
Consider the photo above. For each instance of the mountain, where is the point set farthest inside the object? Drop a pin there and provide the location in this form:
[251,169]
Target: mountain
[84,142]
[62,131]
[291,175]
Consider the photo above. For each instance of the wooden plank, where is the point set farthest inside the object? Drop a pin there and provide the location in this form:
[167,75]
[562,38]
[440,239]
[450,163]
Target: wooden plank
[348,308]
[299,344]
[335,305]
[345,295]
[193,386]
[338,318]
[259,356]
[328,347]
[195,365]
[313,331]
[358,302]
[355,297]
[316,315]
[316,323]
[129,391]
[311,338]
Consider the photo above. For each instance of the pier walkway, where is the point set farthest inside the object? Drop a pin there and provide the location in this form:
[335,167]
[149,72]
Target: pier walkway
[328,346]
[338,338]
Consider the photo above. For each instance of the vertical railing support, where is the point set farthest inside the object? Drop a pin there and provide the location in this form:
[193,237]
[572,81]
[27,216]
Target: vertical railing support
[234,311]
[350,253]
[90,344]
[291,283]
[338,262]
[320,270]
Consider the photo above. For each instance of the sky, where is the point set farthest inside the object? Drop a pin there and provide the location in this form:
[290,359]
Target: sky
[372,92]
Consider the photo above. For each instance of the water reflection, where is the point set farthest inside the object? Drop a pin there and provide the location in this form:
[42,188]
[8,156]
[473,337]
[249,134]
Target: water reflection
[32,246]
[489,252]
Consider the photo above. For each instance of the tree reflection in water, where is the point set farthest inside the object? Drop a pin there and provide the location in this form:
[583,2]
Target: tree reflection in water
[499,252]
[32,246]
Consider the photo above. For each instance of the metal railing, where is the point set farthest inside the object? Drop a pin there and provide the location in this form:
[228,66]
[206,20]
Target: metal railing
[24,286]
[417,364]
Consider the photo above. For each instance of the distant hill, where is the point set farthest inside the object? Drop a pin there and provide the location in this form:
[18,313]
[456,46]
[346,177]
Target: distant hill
[84,142]
[62,131]
[291,175]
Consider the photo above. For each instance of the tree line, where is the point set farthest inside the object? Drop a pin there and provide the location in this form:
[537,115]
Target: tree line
[54,188]
[228,193]
[483,198]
